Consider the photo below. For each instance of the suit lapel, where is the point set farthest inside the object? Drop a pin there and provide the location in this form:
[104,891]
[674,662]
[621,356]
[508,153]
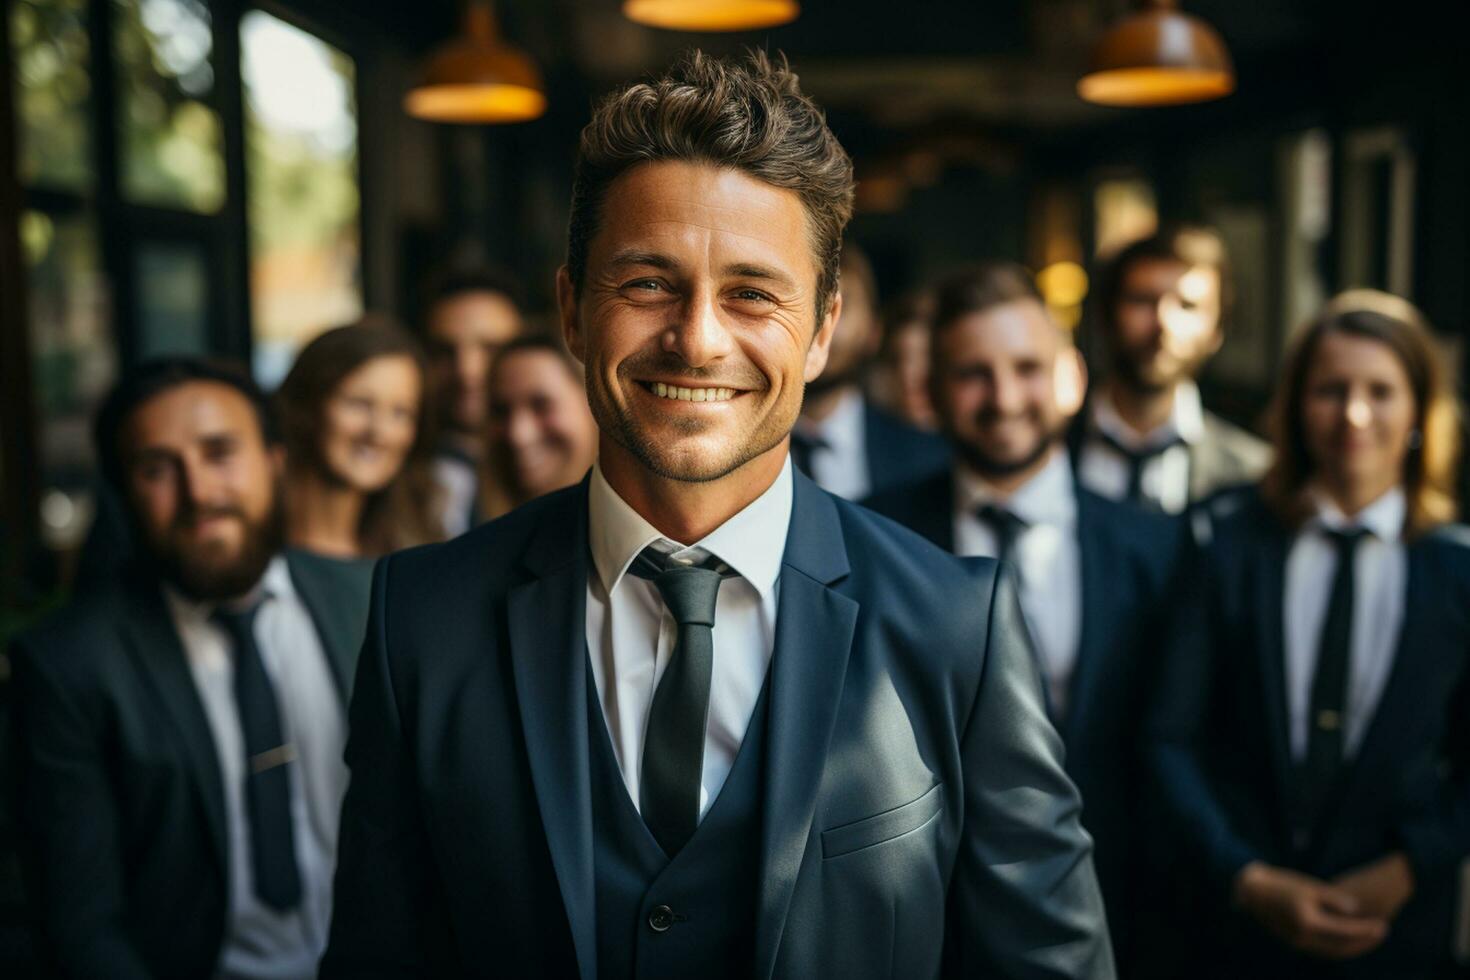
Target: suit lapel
[814,631]
[1419,643]
[154,645]
[1269,580]
[547,622]
[329,619]
[1098,622]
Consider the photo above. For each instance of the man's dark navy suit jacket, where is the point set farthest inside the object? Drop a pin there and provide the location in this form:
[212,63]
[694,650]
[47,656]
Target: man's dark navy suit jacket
[916,820]
[1130,558]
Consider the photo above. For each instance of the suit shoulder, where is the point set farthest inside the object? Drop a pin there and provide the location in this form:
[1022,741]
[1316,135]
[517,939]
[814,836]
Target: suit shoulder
[880,543]
[1151,534]
[73,641]
[1243,446]
[898,501]
[482,555]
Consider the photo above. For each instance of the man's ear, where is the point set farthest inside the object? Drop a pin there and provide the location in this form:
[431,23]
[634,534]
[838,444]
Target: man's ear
[571,328]
[1070,380]
[277,453]
[816,354]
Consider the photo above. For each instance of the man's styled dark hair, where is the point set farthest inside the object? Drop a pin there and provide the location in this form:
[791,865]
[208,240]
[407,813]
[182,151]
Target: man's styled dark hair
[748,116]
[458,280]
[151,379]
[979,288]
[1191,245]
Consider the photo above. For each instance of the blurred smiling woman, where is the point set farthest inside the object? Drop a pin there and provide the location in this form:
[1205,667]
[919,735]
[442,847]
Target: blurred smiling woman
[357,481]
[1309,733]
[541,435]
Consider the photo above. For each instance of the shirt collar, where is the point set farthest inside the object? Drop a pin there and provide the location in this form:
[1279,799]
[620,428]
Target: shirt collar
[274,583]
[1186,420]
[1383,518]
[843,428]
[752,542]
[1049,497]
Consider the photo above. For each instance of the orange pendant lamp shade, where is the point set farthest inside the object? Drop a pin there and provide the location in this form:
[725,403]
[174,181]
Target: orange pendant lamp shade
[477,78]
[1158,56]
[711,15]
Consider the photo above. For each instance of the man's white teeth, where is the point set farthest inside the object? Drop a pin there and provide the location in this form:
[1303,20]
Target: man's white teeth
[693,394]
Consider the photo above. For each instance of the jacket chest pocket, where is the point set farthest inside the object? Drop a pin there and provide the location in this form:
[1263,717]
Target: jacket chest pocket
[883,827]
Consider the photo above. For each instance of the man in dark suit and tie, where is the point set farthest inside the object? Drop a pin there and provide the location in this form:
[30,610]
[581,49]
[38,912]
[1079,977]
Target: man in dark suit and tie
[1093,573]
[843,441]
[1145,437]
[179,731]
[695,716]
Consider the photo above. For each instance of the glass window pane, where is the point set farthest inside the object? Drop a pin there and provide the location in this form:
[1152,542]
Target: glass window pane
[53,92]
[73,360]
[301,162]
[172,147]
[173,299]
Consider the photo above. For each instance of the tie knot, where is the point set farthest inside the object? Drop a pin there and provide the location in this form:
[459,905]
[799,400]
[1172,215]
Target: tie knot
[690,591]
[1139,455]
[237,622]
[1004,520]
[1346,538]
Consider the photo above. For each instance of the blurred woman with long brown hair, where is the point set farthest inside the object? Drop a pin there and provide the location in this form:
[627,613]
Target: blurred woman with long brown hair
[1309,737]
[353,416]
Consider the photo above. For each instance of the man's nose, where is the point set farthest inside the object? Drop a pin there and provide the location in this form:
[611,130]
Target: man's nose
[698,336]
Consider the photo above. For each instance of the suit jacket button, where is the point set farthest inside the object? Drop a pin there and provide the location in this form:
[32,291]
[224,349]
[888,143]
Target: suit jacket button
[661,918]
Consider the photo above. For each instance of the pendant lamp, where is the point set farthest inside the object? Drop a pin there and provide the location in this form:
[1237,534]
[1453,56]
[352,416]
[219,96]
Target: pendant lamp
[478,78]
[711,15]
[1158,56]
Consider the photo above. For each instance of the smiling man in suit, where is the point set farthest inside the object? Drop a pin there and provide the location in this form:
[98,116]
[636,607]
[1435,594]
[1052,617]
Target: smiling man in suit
[1093,573]
[180,730]
[696,716]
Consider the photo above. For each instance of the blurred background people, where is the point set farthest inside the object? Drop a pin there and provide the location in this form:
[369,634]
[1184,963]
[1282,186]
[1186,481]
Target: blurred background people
[1094,574]
[901,381]
[1309,736]
[846,443]
[541,436]
[1146,437]
[180,733]
[471,314]
[352,411]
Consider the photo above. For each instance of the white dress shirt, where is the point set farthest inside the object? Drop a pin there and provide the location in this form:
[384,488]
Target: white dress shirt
[630,635]
[458,483]
[259,941]
[1380,588]
[841,466]
[1165,478]
[1047,556]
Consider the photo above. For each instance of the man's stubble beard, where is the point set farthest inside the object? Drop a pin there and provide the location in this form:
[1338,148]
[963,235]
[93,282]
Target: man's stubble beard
[206,579]
[989,467]
[623,430]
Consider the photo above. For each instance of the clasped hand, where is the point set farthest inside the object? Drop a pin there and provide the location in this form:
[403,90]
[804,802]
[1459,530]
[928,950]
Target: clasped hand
[1341,919]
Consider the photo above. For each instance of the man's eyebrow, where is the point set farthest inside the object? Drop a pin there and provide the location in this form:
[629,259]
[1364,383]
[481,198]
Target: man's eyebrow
[750,270]
[638,256]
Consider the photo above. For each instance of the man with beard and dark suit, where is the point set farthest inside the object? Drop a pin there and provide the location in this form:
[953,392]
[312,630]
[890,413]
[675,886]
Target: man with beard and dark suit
[696,716]
[179,731]
[1093,573]
[1145,438]
[843,441]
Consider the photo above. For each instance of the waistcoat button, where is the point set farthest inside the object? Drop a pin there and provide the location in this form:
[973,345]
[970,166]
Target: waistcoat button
[661,918]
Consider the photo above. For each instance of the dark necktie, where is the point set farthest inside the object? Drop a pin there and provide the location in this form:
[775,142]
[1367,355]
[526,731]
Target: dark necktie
[267,780]
[1136,460]
[804,445]
[1326,713]
[673,747]
[1007,527]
